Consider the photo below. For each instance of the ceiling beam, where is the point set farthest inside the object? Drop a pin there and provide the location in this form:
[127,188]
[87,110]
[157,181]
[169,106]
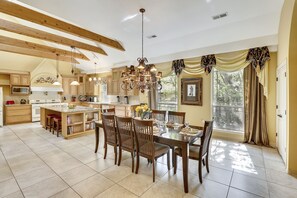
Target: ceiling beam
[24,51]
[43,48]
[31,32]
[27,14]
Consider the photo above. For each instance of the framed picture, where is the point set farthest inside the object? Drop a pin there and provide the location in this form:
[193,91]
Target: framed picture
[191,91]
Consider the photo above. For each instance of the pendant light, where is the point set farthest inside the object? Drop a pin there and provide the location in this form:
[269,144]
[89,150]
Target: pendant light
[75,82]
[57,83]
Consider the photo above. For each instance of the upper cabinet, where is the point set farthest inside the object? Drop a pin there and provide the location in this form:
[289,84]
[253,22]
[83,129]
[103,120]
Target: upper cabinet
[81,78]
[20,79]
[91,88]
[115,85]
[67,88]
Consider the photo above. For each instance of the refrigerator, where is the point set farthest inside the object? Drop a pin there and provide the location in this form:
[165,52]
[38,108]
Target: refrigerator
[1,107]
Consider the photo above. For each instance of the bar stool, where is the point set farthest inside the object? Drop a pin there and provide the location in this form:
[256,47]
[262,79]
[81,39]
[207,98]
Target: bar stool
[49,121]
[57,125]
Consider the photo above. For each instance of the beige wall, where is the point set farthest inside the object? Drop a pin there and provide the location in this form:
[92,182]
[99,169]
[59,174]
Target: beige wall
[287,52]
[292,96]
[195,114]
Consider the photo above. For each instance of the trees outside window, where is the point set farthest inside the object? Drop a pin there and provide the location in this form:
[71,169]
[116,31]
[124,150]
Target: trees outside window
[167,98]
[228,100]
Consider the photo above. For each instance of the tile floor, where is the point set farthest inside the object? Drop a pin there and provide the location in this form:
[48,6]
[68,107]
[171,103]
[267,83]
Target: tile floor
[35,163]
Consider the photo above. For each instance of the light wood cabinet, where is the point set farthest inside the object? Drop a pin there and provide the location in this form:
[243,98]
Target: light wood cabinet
[81,88]
[15,114]
[115,86]
[67,88]
[92,89]
[20,79]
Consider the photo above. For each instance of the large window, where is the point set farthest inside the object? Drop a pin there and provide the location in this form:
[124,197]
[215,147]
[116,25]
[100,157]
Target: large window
[167,98]
[228,100]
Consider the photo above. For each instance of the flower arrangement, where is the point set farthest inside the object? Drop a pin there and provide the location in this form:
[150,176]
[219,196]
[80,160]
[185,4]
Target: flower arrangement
[142,111]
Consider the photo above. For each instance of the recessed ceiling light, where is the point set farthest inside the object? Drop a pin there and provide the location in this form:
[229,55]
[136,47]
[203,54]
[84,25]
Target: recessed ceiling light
[218,16]
[152,36]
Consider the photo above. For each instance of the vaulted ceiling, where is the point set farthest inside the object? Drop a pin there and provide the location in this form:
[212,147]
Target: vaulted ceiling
[183,28]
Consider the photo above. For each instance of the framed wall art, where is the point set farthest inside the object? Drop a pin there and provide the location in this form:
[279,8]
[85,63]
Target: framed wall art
[191,91]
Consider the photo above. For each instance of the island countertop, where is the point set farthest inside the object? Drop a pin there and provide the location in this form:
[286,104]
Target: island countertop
[65,109]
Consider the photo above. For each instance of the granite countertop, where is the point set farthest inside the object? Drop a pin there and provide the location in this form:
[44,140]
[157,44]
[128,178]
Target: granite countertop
[65,109]
[113,104]
[11,105]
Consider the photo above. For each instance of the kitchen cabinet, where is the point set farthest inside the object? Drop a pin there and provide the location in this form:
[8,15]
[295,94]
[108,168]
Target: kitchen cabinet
[92,89]
[67,88]
[15,114]
[114,84]
[20,79]
[81,87]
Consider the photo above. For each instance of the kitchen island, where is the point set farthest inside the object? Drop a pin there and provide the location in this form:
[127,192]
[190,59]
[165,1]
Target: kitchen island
[75,122]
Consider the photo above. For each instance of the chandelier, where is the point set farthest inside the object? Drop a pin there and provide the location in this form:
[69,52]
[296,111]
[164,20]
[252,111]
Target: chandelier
[145,76]
[98,80]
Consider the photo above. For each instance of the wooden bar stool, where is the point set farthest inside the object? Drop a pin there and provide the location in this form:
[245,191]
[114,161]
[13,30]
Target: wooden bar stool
[49,121]
[57,125]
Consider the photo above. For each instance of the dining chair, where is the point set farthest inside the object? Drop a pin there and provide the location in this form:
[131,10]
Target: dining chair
[145,145]
[110,111]
[159,115]
[110,134]
[176,117]
[198,152]
[126,137]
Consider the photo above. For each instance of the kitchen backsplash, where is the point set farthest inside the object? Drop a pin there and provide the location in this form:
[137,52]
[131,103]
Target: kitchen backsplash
[16,99]
[44,95]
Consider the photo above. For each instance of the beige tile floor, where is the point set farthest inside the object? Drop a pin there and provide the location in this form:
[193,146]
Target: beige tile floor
[35,163]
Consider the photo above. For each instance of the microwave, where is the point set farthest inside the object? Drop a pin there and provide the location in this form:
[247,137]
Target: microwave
[20,90]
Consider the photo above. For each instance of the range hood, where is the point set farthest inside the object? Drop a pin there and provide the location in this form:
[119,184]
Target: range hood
[48,89]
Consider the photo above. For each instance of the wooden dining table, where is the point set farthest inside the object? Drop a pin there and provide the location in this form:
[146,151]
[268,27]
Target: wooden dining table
[172,137]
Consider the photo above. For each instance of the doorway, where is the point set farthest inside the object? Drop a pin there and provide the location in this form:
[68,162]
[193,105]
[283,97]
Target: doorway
[281,110]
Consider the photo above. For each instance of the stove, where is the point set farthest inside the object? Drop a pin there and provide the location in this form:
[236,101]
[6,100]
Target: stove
[42,102]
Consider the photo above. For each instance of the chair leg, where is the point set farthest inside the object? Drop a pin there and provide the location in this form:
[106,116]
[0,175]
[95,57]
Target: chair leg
[207,167]
[58,128]
[115,155]
[105,150]
[153,170]
[120,156]
[200,170]
[203,162]
[132,155]
[172,153]
[137,163]
[175,162]
[168,160]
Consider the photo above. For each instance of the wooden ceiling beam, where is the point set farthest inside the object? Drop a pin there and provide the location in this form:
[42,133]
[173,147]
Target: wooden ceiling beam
[43,48]
[27,14]
[34,33]
[24,51]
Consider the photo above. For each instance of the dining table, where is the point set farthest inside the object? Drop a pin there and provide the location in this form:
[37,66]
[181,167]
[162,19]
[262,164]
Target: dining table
[173,137]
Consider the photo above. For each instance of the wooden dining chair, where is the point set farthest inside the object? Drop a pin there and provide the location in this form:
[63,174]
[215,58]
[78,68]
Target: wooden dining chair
[198,152]
[176,117]
[110,134]
[159,115]
[126,137]
[145,145]
[110,111]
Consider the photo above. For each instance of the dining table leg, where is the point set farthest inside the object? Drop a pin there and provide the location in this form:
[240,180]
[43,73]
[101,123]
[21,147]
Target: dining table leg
[185,149]
[97,138]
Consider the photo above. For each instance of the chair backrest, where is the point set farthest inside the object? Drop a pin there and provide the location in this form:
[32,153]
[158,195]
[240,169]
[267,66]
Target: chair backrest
[125,132]
[109,128]
[159,115]
[176,117]
[205,139]
[143,131]
[110,111]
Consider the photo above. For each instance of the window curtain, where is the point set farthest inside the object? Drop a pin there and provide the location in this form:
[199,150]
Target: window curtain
[255,109]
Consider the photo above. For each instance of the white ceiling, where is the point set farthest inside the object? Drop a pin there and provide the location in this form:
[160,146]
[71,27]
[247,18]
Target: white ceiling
[183,28]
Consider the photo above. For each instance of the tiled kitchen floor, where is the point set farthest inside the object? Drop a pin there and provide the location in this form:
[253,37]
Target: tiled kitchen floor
[35,163]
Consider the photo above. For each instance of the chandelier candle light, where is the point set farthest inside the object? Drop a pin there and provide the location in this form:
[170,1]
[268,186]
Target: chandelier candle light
[98,80]
[145,76]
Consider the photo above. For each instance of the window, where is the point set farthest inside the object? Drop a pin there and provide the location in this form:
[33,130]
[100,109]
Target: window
[167,97]
[228,100]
